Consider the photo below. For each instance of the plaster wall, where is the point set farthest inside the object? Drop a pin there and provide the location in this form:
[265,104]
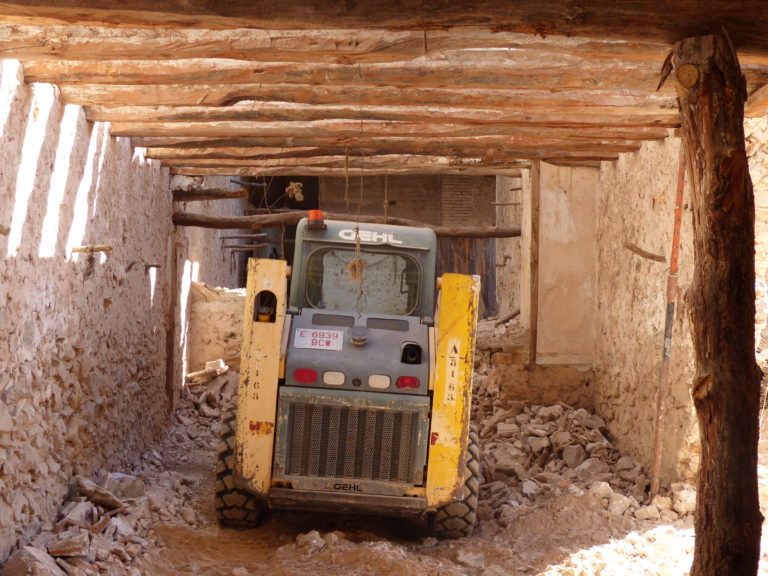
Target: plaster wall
[86,340]
[567,265]
[636,207]
[509,212]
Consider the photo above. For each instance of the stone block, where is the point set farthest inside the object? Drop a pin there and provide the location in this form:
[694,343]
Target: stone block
[30,560]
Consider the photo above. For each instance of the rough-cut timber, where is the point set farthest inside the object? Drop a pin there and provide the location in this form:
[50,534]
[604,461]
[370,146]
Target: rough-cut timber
[200,194]
[721,302]
[291,218]
[651,21]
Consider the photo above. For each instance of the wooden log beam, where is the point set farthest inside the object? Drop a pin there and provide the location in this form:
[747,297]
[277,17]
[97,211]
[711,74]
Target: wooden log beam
[647,21]
[90,43]
[201,194]
[375,171]
[277,220]
[326,129]
[528,71]
[257,154]
[482,146]
[721,303]
[517,113]
[353,162]
[211,94]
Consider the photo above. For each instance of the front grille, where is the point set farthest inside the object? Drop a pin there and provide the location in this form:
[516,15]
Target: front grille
[332,441]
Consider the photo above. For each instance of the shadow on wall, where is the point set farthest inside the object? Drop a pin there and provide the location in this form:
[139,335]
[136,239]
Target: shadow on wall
[82,335]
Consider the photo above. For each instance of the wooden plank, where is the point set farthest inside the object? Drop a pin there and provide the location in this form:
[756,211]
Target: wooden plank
[210,94]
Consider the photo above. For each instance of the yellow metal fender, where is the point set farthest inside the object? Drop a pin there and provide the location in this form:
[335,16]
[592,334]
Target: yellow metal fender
[259,372]
[456,328]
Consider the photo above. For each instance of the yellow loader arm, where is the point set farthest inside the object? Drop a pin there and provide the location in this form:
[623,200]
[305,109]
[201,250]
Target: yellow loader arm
[456,327]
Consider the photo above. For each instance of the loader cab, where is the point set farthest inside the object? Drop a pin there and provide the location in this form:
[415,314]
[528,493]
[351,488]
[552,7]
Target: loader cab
[392,272]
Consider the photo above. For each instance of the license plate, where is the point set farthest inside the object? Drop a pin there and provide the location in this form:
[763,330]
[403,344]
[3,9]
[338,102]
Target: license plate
[318,339]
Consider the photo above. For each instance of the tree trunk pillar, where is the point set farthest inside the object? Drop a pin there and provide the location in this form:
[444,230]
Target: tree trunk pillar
[721,303]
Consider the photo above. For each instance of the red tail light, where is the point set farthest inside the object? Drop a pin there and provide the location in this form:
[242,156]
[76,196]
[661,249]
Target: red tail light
[305,375]
[408,382]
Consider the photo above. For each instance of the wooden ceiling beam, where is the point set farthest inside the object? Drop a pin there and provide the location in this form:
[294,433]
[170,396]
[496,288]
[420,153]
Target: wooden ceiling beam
[256,153]
[340,129]
[517,113]
[351,46]
[458,146]
[529,71]
[367,171]
[116,95]
[356,162]
[746,21]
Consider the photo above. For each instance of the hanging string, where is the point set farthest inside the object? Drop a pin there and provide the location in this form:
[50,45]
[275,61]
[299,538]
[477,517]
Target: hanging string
[346,177]
[357,265]
[386,199]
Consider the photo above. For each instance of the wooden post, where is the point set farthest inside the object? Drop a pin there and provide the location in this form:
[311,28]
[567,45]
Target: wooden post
[721,302]
[534,304]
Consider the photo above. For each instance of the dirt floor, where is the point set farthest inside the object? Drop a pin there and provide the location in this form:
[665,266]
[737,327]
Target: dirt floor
[563,534]
[557,499]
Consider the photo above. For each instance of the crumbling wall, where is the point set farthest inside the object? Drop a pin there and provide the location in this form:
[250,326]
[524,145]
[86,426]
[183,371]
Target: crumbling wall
[89,342]
[200,255]
[756,133]
[637,203]
[215,326]
[82,336]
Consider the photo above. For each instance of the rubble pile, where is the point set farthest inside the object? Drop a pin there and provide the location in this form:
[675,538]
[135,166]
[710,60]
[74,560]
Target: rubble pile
[100,531]
[533,452]
[212,387]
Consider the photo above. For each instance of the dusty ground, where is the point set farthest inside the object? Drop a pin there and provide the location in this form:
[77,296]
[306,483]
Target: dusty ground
[566,534]
[543,518]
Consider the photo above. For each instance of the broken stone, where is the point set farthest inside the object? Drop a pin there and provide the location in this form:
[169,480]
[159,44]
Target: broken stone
[683,498]
[560,438]
[662,502]
[618,504]
[574,455]
[31,560]
[601,490]
[590,469]
[124,485]
[506,456]
[530,488]
[550,412]
[649,512]
[506,429]
[471,559]
[6,420]
[69,543]
[311,542]
[97,494]
[538,444]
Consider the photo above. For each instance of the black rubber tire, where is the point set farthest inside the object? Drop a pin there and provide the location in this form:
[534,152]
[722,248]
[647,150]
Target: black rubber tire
[234,506]
[458,519]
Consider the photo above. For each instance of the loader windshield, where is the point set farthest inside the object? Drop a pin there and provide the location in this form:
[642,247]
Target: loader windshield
[383,283]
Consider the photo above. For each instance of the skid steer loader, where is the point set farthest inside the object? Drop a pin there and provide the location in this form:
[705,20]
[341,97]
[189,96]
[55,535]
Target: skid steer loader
[355,388]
